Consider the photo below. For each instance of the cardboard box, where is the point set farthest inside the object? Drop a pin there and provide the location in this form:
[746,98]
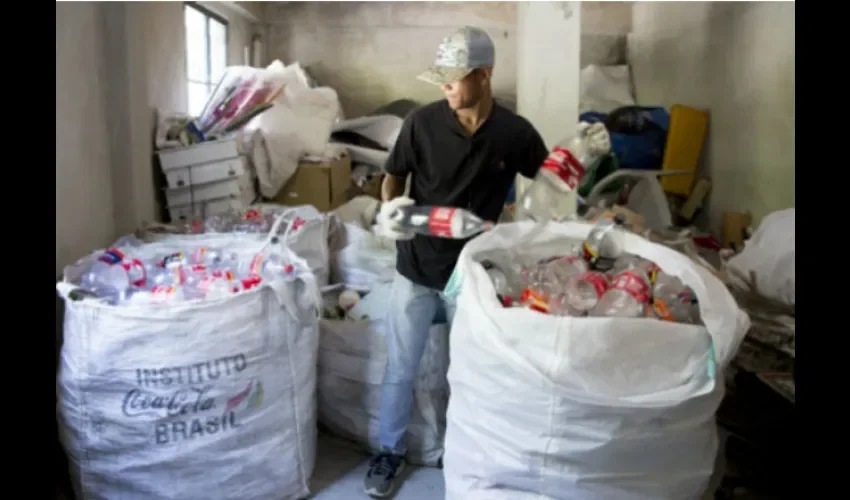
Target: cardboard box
[735,228]
[321,184]
[371,188]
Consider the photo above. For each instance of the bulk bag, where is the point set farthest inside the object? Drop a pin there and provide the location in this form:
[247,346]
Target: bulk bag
[211,399]
[583,408]
[364,260]
[352,360]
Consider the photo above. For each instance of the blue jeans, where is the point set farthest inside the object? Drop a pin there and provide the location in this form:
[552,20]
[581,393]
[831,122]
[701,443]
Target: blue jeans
[412,311]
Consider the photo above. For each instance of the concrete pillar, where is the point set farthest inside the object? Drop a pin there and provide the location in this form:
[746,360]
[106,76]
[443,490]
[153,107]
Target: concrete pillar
[548,47]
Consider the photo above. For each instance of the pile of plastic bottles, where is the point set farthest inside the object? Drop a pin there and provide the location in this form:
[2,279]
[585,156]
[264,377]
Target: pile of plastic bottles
[594,278]
[243,221]
[117,277]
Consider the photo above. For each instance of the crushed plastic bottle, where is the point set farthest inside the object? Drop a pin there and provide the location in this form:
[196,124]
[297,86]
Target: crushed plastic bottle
[627,295]
[553,194]
[441,222]
[584,291]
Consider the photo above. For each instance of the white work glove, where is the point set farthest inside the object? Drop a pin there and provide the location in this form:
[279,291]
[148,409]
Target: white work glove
[385,227]
[597,141]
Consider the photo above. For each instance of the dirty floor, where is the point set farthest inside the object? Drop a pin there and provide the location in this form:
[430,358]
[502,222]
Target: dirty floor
[340,469]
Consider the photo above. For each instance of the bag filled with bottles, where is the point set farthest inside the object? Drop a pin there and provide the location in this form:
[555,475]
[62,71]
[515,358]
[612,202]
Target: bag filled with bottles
[307,232]
[565,399]
[189,371]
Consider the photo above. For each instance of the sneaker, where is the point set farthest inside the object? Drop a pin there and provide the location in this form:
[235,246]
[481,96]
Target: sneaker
[382,478]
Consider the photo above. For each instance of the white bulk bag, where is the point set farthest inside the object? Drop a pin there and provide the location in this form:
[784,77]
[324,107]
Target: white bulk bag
[211,399]
[364,261]
[352,360]
[308,239]
[583,408]
[769,258]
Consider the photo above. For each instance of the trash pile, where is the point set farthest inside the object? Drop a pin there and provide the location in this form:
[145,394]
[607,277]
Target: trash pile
[593,278]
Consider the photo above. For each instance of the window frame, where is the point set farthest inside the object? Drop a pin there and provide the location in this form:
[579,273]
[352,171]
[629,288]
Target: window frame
[208,15]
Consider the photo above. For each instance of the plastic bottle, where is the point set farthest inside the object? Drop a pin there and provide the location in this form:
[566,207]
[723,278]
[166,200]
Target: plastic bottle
[558,272]
[584,291]
[673,301]
[627,296]
[553,195]
[603,246]
[441,222]
[269,265]
[210,257]
[107,278]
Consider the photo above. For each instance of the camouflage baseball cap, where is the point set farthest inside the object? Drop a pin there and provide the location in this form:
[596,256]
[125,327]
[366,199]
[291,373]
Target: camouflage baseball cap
[459,54]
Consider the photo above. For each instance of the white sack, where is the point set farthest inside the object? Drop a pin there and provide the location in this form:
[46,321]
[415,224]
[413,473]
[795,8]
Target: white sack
[364,261]
[199,399]
[352,360]
[605,88]
[769,258]
[583,408]
[361,259]
[298,124]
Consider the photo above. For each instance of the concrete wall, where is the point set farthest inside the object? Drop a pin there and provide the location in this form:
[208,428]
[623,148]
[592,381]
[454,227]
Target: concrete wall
[371,52]
[115,63]
[735,59]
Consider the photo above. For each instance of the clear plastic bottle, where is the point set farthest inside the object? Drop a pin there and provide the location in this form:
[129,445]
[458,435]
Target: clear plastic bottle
[673,301]
[584,291]
[559,272]
[210,257]
[554,193]
[269,265]
[107,278]
[627,296]
[603,245]
[442,222]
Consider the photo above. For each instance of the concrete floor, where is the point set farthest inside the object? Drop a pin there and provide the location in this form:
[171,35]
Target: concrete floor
[340,470]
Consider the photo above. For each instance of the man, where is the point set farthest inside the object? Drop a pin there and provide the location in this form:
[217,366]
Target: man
[463,151]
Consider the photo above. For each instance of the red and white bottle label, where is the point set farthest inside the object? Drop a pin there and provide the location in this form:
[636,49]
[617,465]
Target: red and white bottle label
[597,280]
[135,269]
[633,284]
[565,165]
[440,221]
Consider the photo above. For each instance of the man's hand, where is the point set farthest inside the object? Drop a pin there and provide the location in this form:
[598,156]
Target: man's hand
[597,139]
[388,228]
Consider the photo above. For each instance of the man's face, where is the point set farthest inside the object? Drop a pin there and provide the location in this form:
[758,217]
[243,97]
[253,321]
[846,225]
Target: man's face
[466,93]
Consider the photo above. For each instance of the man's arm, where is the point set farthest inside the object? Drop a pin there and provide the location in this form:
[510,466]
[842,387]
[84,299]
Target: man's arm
[392,187]
[534,152]
[400,163]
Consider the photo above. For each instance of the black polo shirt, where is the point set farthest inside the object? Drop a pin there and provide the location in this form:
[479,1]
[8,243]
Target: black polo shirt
[452,168]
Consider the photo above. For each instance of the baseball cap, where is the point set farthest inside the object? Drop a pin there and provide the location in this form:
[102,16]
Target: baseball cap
[459,54]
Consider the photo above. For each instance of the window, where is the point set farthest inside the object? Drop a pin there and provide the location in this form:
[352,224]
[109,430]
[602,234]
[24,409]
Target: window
[206,54]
